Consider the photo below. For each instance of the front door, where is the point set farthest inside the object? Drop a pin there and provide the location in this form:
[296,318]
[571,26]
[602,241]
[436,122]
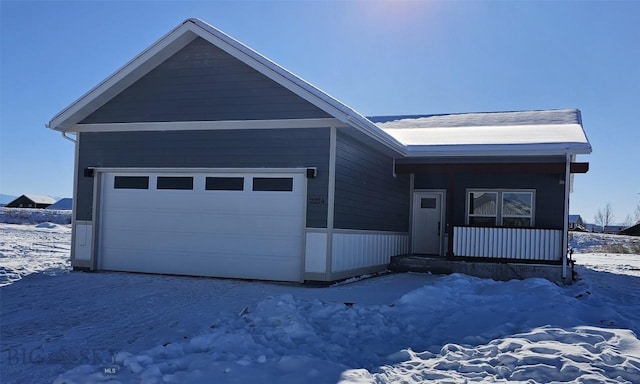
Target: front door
[427,223]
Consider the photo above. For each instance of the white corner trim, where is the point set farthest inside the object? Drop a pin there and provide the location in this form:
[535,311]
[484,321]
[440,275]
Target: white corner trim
[207,125]
[331,197]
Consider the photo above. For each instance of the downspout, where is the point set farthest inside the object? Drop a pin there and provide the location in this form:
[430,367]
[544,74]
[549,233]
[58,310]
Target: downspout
[64,134]
[565,228]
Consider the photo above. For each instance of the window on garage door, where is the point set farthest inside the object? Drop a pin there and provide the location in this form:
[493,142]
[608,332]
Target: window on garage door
[175,182]
[279,184]
[131,182]
[224,183]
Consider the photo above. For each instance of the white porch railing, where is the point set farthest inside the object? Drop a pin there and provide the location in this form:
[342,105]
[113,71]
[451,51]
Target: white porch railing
[508,243]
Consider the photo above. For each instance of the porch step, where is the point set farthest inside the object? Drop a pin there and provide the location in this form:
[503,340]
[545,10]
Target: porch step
[492,270]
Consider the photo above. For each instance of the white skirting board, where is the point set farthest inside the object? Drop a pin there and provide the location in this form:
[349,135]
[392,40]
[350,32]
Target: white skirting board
[511,243]
[315,258]
[353,249]
[83,249]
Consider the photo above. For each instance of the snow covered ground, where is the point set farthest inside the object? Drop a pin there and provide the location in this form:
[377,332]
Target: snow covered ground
[73,327]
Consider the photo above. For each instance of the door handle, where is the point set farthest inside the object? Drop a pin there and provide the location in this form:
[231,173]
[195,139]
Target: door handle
[438,229]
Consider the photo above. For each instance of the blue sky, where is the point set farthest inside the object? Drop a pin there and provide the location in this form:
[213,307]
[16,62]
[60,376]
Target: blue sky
[381,58]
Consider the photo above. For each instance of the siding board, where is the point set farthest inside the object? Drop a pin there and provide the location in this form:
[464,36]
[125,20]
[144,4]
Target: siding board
[367,196]
[257,148]
[202,82]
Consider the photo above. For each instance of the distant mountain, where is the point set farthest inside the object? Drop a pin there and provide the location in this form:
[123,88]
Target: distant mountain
[5,199]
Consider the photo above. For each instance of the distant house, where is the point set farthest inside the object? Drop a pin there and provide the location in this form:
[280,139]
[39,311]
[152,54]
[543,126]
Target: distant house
[633,230]
[268,177]
[614,228]
[610,229]
[31,201]
[65,204]
[576,223]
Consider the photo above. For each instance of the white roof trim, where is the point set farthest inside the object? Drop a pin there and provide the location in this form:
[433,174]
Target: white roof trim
[140,65]
[494,150]
[210,125]
[181,36]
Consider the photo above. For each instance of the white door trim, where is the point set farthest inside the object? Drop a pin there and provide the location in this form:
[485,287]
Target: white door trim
[442,193]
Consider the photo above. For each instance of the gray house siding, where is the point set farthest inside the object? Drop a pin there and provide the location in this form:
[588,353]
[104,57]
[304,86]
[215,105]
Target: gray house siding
[367,195]
[549,193]
[262,148]
[201,82]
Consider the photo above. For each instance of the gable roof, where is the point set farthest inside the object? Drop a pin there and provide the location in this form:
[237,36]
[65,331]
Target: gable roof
[574,218]
[63,204]
[179,37]
[39,199]
[633,230]
[469,134]
[552,131]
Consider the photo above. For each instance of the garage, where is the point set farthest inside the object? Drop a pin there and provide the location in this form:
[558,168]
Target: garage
[246,224]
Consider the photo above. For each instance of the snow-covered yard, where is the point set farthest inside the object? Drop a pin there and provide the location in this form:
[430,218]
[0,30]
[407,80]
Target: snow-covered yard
[69,327]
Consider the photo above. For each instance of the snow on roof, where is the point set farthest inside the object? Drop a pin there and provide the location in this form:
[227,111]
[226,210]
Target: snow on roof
[557,130]
[41,199]
[63,204]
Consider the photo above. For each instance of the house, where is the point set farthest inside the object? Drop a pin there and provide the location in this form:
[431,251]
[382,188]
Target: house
[31,201]
[576,223]
[633,230]
[202,157]
[65,204]
[614,229]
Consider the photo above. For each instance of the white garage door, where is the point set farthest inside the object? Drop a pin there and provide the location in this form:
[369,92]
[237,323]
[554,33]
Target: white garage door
[243,225]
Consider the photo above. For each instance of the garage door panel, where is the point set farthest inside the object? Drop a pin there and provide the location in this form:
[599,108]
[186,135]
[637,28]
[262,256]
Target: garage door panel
[198,264]
[245,234]
[210,224]
[195,242]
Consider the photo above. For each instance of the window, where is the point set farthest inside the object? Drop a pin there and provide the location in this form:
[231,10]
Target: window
[224,184]
[500,208]
[281,184]
[173,182]
[131,182]
[428,202]
[483,210]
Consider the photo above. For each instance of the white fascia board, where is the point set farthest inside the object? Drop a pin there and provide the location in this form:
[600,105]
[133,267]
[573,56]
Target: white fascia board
[497,150]
[208,125]
[126,75]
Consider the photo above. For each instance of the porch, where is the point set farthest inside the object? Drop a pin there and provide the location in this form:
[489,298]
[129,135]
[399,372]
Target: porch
[498,253]
[503,271]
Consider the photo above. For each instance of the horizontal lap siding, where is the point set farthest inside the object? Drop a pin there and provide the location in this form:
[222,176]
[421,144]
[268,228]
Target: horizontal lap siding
[203,83]
[268,148]
[549,193]
[367,195]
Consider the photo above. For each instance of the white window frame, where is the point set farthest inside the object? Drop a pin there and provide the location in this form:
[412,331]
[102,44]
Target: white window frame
[499,202]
